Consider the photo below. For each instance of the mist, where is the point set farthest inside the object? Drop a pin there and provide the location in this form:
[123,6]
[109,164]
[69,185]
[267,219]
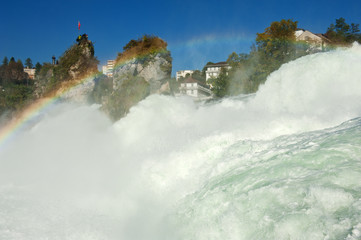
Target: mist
[76,175]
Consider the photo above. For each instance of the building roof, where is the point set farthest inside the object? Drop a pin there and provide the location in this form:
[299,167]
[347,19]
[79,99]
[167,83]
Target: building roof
[300,31]
[185,71]
[218,64]
[321,35]
[192,80]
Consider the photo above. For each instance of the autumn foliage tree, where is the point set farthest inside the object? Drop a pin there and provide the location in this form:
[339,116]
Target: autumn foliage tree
[274,47]
[145,45]
[277,42]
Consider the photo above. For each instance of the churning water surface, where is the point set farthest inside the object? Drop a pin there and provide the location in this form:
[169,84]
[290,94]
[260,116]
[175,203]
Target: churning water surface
[284,163]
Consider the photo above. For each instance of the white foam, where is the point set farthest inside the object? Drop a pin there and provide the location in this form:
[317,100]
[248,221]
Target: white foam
[75,174]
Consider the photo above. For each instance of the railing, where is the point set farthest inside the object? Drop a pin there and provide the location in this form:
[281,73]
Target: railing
[196,88]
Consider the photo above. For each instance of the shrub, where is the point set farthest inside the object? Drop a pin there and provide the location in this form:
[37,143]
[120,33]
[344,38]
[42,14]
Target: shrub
[144,46]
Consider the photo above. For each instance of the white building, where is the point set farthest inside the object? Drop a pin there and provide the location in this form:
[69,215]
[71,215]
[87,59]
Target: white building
[30,72]
[108,69]
[214,69]
[183,73]
[104,69]
[316,42]
[195,89]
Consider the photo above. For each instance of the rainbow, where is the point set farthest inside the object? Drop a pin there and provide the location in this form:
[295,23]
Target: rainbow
[29,115]
[196,52]
[227,39]
[212,40]
[121,63]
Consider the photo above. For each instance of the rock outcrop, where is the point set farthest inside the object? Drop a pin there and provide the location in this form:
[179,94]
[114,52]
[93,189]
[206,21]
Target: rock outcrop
[79,91]
[155,69]
[143,68]
[69,78]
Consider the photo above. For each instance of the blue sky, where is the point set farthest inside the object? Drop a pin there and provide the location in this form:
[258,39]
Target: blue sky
[196,31]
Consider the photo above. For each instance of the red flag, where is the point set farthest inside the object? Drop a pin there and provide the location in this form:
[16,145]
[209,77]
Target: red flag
[79,25]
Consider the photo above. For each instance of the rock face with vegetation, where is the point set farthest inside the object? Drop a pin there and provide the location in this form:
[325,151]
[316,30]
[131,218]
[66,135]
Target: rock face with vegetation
[143,68]
[277,45]
[155,68]
[73,67]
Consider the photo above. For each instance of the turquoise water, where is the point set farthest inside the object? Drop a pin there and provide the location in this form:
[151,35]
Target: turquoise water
[281,164]
[304,186]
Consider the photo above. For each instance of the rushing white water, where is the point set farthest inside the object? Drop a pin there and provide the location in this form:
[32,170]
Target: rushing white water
[282,164]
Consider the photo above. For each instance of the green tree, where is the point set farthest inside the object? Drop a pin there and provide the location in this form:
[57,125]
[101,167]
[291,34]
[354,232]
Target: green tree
[220,84]
[199,76]
[274,47]
[15,96]
[132,43]
[355,28]
[37,68]
[20,65]
[236,60]
[342,33]
[243,68]
[13,73]
[5,61]
[205,68]
[29,63]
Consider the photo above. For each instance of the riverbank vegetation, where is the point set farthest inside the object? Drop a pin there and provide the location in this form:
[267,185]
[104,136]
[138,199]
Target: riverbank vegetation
[273,47]
[15,85]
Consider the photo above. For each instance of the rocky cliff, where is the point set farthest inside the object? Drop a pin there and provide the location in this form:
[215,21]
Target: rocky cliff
[69,77]
[143,68]
[154,68]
